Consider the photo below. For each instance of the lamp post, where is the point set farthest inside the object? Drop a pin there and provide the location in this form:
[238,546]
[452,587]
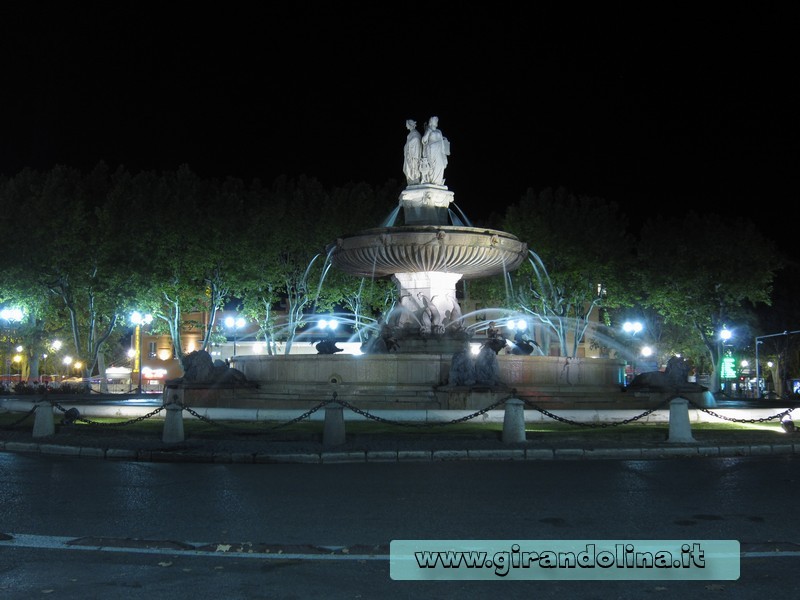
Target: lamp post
[132,356]
[12,315]
[67,362]
[234,323]
[759,341]
[726,363]
[18,363]
[632,328]
[139,319]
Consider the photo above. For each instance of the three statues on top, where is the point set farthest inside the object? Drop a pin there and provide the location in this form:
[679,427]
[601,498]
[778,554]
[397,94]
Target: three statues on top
[425,154]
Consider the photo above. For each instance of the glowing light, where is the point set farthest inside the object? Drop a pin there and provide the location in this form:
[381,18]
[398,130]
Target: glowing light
[11,314]
[138,319]
[331,324]
[154,373]
[234,323]
[117,371]
[632,327]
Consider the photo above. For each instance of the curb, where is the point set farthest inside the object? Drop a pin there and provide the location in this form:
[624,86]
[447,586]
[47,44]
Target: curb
[391,456]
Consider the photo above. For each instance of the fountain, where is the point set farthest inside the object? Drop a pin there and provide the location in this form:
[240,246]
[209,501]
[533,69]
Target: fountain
[425,248]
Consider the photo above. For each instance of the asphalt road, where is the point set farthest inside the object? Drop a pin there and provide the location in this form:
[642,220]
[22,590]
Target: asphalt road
[77,528]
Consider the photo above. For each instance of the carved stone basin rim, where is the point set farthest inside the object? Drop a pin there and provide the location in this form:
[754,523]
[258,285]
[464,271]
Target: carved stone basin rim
[470,251]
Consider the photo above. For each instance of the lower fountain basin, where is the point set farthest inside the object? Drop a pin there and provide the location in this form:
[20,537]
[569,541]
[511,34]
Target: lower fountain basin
[416,382]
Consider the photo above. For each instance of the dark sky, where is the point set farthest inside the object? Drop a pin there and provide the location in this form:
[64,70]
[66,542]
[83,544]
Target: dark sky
[659,108]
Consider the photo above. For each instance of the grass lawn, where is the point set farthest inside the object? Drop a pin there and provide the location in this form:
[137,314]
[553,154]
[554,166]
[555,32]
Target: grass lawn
[199,427]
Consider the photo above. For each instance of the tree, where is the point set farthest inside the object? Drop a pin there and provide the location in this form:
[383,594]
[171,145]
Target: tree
[704,272]
[579,259]
[74,259]
[287,247]
[191,244]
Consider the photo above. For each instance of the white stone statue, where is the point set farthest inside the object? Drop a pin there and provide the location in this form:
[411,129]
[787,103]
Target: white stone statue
[435,150]
[412,153]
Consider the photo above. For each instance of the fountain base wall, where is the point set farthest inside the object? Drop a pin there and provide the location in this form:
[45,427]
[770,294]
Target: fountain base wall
[417,382]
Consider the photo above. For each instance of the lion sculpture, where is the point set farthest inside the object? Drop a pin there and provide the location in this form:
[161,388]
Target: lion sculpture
[198,367]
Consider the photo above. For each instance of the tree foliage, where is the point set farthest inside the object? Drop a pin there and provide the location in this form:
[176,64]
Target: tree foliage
[704,272]
[579,252]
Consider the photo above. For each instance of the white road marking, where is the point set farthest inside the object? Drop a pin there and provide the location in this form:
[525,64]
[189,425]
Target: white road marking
[49,542]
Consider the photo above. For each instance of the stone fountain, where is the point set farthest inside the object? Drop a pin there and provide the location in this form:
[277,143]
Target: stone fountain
[426,248]
[426,257]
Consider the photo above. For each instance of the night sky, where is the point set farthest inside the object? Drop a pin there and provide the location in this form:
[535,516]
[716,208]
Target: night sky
[661,108]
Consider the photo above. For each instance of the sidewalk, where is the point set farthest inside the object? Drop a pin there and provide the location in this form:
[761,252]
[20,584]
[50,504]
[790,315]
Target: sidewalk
[432,444]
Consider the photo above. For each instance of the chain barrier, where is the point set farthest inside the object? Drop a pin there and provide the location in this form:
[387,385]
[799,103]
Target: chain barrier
[778,416]
[356,410]
[297,419]
[20,420]
[369,416]
[366,414]
[555,417]
[98,423]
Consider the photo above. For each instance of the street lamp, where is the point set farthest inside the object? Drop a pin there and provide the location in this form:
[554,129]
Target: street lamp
[18,362]
[235,324]
[11,315]
[727,366]
[632,328]
[132,356]
[139,319]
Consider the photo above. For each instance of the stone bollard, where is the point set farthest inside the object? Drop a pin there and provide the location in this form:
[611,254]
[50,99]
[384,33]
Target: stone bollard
[43,424]
[680,431]
[333,433]
[173,424]
[514,422]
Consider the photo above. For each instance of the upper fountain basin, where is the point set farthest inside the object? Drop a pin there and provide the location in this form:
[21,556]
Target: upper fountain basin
[470,251]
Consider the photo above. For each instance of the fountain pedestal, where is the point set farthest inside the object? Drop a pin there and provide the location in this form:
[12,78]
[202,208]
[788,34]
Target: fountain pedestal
[426,204]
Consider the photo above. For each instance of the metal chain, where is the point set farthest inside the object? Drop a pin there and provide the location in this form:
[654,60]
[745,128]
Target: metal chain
[305,415]
[760,420]
[20,420]
[592,425]
[98,423]
[366,414]
[372,417]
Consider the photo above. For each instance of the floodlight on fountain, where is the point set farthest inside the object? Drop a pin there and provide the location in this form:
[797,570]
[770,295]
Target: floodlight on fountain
[632,327]
[647,351]
[331,324]
[519,325]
